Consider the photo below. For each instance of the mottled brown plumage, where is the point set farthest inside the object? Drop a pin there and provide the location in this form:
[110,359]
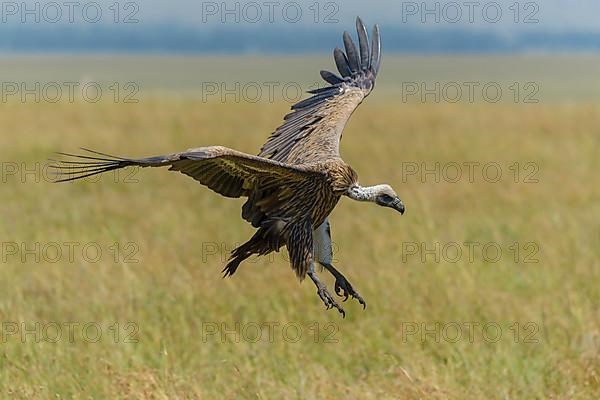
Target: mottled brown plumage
[297,179]
[312,131]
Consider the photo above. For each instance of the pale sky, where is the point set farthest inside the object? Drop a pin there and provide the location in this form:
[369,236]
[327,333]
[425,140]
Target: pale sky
[542,15]
[555,15]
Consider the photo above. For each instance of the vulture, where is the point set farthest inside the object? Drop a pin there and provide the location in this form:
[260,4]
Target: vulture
[295,182]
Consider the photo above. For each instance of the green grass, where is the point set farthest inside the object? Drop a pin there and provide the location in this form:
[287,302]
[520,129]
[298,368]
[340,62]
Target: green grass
[174,292]
[559,78]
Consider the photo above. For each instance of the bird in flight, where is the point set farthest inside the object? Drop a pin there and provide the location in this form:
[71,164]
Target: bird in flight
[297,179]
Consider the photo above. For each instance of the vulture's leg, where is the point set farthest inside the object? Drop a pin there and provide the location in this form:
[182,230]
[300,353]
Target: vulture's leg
[323,293]
[324,255]
[342,286]
[300,247]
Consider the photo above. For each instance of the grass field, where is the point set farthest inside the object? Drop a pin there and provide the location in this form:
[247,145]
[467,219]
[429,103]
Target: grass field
[150,317]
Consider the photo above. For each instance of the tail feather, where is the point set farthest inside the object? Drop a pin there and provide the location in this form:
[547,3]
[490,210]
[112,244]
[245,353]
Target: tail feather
[263,242]
[240,254]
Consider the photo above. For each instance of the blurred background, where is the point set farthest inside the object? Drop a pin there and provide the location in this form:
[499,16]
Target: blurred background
[251,27]
[172,47]
[485,119]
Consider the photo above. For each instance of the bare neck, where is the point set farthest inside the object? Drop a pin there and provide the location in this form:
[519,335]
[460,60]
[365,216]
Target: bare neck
[363,193]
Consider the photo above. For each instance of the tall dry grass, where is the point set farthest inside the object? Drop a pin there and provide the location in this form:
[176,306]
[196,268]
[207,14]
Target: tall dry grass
[181,233]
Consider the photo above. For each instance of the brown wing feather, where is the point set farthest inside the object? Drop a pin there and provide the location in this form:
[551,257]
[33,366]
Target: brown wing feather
[275,191]
[312,131]
[235,174]
[284,200]
[226,171]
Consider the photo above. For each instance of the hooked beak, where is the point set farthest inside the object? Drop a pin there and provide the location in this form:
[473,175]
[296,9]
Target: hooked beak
[398,205]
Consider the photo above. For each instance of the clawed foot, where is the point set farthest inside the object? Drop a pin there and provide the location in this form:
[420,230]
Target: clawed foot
[345,289]
[324,294]
[328,300]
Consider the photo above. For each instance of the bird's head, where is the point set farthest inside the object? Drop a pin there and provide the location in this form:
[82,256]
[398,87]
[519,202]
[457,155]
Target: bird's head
[386,197]
[382,195]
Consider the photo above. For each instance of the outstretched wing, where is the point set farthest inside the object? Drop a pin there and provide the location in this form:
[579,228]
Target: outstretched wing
[312,131]
[228,172]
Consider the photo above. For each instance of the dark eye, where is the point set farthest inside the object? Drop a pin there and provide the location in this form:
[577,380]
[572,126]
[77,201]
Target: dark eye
[386,198]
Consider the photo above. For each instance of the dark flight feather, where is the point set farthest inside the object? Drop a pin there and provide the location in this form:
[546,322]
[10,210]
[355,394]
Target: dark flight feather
[322,116]
[363,44]
[341,62]
[351,53]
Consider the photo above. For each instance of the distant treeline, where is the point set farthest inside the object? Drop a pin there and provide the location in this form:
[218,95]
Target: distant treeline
[144,38]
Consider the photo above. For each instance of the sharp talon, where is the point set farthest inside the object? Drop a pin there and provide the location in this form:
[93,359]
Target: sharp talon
[344,287]
[328,300]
